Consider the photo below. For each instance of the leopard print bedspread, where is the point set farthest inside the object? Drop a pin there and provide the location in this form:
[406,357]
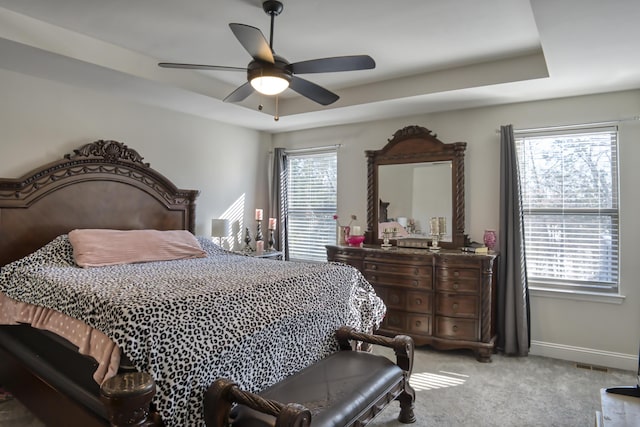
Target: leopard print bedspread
[254,321]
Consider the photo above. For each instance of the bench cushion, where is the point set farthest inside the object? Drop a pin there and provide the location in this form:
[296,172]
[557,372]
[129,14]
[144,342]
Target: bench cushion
[335,389]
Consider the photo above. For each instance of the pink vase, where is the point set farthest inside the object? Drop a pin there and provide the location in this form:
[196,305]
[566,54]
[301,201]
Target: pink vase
[355,241]
[489,239]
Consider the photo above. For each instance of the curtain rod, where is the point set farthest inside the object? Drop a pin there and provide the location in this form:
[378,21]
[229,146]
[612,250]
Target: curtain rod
[321,148]
[575,126]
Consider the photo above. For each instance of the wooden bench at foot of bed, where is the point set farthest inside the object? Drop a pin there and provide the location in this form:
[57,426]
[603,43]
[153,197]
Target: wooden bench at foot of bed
[347,388]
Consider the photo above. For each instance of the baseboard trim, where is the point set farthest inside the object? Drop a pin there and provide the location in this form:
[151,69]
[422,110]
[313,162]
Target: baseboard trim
[627,362]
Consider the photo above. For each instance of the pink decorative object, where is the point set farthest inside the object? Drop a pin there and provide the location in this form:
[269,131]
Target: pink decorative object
[272,223]
[489,239]
[355,240]
[103,247]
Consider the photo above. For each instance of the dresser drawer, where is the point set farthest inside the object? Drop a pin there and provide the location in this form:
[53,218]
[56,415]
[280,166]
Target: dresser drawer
[395,298]
[456,328]
[354,262]
[407,322]
[456,305]
[418,324]
[405,281]
[346,255]
[401,299]
[459,280]
[419,302]
[393,268]
[395,320]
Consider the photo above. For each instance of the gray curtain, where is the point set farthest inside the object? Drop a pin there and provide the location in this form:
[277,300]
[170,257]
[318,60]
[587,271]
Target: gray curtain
[513,292]
[278,199]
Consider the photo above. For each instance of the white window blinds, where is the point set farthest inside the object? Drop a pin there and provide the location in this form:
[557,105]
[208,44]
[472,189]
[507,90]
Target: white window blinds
[312,202]
[569,183]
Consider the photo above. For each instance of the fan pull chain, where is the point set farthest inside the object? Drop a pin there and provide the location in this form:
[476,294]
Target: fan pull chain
[276,117]
[260,106]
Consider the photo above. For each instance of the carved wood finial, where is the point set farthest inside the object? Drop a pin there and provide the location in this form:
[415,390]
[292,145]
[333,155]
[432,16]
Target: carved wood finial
[109,150]
[412,131]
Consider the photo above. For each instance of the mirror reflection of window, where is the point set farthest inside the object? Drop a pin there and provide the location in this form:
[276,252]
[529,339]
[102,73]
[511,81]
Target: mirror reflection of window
[417,191]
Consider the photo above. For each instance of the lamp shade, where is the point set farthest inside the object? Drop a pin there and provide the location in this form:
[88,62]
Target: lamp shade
[269,85]
[220,227]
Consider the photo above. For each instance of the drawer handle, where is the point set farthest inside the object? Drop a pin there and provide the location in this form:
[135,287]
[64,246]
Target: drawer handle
[416,271]
[415,283]
[374,277]
[456,274]
[455,328]
[418,301]
[418,323]
[373,267]
[455,305]
[456,285]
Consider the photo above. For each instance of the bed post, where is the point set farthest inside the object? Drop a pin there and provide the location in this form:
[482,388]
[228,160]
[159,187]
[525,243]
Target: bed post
[127,398]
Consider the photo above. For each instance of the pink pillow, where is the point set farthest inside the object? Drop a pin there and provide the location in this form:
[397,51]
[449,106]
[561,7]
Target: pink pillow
[100,247]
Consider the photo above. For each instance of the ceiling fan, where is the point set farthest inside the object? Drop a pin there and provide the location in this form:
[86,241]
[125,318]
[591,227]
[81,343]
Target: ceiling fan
[271,74]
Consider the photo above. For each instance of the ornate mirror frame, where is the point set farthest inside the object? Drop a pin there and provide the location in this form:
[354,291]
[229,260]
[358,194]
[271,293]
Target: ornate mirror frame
[416,144]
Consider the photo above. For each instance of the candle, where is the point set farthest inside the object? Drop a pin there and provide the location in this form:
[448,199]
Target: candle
[258,214]
[434,226]
[355,231]
[442,225]
[259,247]
[272,223]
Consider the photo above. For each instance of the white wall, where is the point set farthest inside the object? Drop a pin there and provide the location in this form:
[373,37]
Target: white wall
[586,331]
[41,120]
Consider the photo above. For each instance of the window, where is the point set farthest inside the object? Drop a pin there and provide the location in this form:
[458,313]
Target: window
[569,183]
[312,202]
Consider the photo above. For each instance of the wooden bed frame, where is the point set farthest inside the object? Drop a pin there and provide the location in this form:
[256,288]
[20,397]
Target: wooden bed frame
[103,184]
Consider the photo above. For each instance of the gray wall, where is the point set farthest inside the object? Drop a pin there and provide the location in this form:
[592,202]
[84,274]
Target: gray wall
[601,331]
[43,120]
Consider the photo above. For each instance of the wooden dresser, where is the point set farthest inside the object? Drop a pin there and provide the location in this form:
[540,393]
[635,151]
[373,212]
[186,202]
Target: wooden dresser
[444,299]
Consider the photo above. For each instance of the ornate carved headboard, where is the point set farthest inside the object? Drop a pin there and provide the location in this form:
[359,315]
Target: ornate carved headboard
[103,184]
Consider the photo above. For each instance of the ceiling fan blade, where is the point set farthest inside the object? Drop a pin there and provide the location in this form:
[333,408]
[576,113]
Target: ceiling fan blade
[240,94]
[200,67]
[313,91]
[253,41]
[336,63]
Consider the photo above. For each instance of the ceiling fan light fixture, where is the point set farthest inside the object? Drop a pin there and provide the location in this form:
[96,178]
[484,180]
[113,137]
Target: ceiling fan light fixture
[270,74]
[269,85]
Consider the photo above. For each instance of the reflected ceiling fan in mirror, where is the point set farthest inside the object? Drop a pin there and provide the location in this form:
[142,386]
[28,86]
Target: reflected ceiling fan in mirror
[271,74]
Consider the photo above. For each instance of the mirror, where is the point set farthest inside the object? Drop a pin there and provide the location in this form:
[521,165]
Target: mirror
[414,178]
[405,203]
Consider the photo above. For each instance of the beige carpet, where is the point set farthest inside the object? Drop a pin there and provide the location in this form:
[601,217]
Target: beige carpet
[453,390]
